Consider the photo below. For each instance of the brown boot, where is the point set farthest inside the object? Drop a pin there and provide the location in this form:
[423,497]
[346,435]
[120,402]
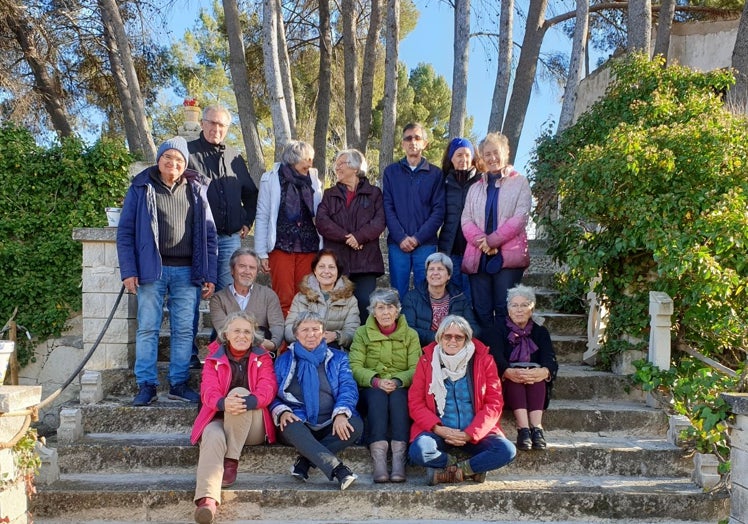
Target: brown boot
[378,451]
[399,457]
[447,475]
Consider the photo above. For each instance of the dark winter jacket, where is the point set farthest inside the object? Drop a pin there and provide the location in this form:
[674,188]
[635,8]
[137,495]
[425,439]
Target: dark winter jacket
[417,310]
[451,239]
[137,247]
[232,193]
[364,219]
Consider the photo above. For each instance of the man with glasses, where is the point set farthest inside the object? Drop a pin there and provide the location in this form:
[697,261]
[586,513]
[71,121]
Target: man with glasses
[232,193]
[413,209]
[166,244]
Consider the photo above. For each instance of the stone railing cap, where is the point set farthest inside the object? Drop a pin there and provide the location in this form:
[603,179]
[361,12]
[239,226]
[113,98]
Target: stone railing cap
[95,234]
[738,402]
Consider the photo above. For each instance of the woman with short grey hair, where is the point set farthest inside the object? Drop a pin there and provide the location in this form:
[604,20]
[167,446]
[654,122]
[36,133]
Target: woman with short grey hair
[436,297]
[383,358]
[350,219]
[286,238]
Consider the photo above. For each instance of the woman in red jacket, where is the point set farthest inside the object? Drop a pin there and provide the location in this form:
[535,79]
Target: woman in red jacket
[455,402]
[238,384]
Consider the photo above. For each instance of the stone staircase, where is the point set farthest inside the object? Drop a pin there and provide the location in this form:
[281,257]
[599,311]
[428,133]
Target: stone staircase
[607,461]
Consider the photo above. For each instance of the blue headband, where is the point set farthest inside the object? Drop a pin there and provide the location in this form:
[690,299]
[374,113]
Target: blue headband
[457,143]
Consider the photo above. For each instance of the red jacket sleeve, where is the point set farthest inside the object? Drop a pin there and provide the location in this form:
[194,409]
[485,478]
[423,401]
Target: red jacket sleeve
[420,402]
[489,400]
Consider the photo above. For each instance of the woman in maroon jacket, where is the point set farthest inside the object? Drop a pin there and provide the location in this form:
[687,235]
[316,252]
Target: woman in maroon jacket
[350,219]
[238,384]
[455,402]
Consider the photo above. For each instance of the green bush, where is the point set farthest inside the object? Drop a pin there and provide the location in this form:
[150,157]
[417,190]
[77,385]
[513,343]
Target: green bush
[44,194]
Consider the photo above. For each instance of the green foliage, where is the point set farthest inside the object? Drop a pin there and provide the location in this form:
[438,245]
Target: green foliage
[26,458]
[44,194]
[692,389]
[653,183]
[572,293]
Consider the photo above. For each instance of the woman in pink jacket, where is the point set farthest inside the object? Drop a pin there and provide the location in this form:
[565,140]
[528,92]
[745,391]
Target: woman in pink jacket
[496,212]
[238,384]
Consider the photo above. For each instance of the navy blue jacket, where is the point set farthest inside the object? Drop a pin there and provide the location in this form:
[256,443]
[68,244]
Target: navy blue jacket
[418,312]
[454,202]
[413,202]
[137,248]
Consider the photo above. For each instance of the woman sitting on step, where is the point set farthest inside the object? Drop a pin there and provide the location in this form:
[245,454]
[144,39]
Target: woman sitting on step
[316,404]
[527,365]
[238,384]
[455,403]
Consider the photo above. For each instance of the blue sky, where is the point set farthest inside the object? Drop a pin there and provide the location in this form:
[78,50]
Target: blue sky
[431,42]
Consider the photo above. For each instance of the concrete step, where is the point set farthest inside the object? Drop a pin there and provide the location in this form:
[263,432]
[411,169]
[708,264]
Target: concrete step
[569,348]
[140,497]
[564,323]
[567,454]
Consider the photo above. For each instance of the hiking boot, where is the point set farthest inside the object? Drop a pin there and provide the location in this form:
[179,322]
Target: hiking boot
[205,512]
[344,475]
[300,469]
[183,392]
[230,467]
[524,442]
[480,478]
[146,395]
[447,475]
[538,439]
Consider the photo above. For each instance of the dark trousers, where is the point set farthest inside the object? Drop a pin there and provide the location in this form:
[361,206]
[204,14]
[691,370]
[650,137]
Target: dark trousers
[365,283]
[387,415]
[489,295]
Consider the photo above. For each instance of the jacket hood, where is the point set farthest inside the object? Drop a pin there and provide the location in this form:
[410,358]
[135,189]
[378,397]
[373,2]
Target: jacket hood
[507,172]
[217,351]
[309,287]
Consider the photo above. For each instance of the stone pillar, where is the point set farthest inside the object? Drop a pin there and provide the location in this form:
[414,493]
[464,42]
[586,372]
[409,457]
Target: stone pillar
[13,499]
[738,457]
[101,285]
[660,311]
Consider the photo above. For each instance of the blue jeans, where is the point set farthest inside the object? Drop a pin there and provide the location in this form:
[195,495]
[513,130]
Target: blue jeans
[491,452]
[176,281]
[227,244]
[489,296]
[402,263]
[459,278]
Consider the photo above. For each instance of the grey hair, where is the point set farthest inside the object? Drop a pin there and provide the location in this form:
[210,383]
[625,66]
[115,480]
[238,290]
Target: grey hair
[296,151]
[356,160]
[521,291]
[216,109]
[306,316]
[443,259]
[454,320]
[243,315]
[416,125]
[384,295]
[242,251]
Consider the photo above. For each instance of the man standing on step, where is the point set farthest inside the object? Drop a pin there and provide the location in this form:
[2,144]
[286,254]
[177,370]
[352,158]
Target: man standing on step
[413,210]
[166,244]
[231,192]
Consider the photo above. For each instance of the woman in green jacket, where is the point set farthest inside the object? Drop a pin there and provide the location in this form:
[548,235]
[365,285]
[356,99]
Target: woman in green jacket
[383,358]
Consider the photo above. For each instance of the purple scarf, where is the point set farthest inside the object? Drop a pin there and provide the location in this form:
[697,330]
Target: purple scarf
[519,338]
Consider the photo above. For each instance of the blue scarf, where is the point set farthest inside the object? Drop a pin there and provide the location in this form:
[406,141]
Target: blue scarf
[307,363]
[519,338]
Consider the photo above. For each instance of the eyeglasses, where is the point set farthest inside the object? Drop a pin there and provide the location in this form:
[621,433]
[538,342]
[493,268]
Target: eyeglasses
[457,338]
[524,305]
[219,125]
[178,160]
[412,138]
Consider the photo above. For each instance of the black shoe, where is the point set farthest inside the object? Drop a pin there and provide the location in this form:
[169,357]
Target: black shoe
[146,395]
[195,362]
[538,440]
[300,469]
[344,475]
[524,442]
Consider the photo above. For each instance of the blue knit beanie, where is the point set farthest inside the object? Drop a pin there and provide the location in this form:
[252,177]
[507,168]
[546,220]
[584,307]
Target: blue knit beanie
[457,143]
[178,143]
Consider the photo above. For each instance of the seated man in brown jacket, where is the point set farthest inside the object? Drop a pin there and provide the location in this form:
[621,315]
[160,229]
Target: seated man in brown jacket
[246,295]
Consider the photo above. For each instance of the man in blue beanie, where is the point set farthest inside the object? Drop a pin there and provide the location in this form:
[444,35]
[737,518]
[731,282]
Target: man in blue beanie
[166,244]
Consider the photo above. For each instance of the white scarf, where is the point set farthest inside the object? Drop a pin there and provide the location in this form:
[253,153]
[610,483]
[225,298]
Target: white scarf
[445,366]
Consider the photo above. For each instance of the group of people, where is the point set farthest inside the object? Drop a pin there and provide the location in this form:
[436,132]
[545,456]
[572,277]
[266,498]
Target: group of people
[323,358]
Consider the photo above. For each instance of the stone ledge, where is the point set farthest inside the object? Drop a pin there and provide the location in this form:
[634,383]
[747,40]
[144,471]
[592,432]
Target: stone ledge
[95,234]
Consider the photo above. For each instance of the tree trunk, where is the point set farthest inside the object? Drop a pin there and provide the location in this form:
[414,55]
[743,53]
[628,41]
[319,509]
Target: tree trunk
[285,71]
[324,95]
[737,97]
[276,101]
[578,52]
[504,70]
[367,77]
[525,74]
[46,85]
[461,48]
[639,25]
[350,74]
[389,103]
[111,15]
[240,80]
[664,28]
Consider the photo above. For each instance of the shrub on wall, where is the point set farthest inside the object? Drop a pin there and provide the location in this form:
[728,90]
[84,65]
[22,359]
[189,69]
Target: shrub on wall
[44,194]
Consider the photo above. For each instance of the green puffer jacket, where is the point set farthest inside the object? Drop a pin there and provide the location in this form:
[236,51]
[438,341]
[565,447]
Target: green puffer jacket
[374,354]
